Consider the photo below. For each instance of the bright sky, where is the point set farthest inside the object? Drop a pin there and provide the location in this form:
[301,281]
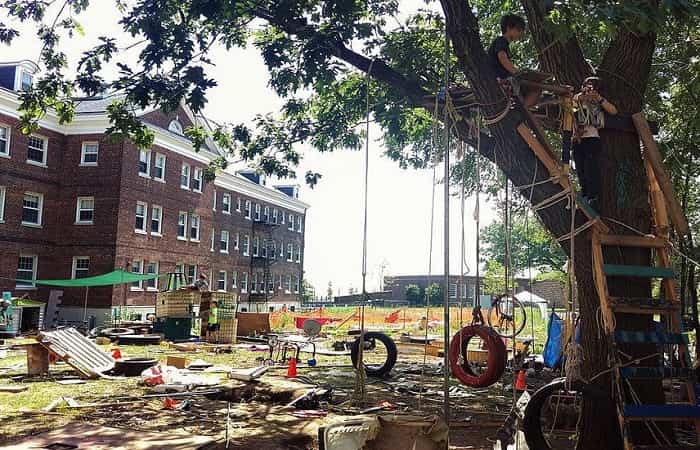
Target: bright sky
[399,200]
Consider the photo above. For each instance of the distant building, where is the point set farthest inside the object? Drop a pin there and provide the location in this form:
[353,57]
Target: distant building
[74,203]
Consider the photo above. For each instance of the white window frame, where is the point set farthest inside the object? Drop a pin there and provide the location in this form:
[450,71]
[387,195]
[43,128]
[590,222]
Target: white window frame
[298,258]
[159,156]
[295,283]
[274,250]
[246,245]
[274,215]
[219,280]
[3,195]
[254,283]
[5,153]
[288,284]
[283,214]
[238,204]
[257,212]
[193,278]
[45,150]
[195,218]
[20,79]
[248,210]
[244,282]
[158,233]
[213,206]
[139,284]
[279,281]
[78,210]
[266,214]
[176,127]
[40,208]
[256,246]
[198,176]
[187,175]
[226,203]
[222,241]
[35,264]
[180,215]
[147,174]
[290,222]
[290,252]
[83,152]
[153,288]
[233,279]
[74,271]
[211,244]
[299,224]
[145,217]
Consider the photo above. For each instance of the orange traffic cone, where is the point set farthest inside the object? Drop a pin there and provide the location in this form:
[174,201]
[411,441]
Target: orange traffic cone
[116,353]
[292,371]
[520,384]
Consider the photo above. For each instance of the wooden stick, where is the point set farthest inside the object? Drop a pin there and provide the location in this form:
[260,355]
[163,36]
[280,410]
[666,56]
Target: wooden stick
[652,154]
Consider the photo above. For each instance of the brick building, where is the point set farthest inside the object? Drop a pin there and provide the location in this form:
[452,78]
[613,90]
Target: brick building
[73,203]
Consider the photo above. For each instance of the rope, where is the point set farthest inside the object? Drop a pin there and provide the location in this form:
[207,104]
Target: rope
[552,200]
[360,375]
[446,247]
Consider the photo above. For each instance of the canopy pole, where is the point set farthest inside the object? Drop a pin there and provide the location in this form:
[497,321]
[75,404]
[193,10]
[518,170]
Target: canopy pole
[87,288]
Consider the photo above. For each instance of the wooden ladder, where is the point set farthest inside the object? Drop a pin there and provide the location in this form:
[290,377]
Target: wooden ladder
[668,307]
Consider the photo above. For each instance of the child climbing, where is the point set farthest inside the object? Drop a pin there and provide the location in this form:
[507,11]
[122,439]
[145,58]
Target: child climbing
[512,29]
[590,109]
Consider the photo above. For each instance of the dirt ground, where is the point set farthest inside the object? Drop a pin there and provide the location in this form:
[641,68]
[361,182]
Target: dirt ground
[258,415]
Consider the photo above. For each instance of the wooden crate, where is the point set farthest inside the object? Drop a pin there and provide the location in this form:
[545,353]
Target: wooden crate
[180,303]
[227,331]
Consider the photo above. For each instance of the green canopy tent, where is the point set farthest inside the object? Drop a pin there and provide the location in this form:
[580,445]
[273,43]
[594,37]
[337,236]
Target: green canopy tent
[106,279]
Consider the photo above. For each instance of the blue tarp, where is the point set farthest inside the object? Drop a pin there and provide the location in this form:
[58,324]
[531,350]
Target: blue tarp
[554,347]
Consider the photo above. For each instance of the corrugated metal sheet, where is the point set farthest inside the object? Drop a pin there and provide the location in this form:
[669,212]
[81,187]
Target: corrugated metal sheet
[77,351]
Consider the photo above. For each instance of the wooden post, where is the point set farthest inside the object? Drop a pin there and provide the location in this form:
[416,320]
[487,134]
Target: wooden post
[652,154]
[37,360]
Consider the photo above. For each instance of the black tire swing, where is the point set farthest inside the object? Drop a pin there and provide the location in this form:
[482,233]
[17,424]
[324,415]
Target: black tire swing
[459,363]
[371,338]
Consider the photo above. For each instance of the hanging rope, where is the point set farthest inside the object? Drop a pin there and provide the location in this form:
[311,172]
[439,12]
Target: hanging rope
[446,247]
[360,375]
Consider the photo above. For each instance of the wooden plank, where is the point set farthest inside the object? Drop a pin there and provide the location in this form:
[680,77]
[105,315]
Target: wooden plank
[542,154]
[601,282]
[651,152]
[621,270]
[658,204]
[620,240]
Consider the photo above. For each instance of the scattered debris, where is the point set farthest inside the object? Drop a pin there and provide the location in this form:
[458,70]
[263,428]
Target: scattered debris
[248,374]
[13,389]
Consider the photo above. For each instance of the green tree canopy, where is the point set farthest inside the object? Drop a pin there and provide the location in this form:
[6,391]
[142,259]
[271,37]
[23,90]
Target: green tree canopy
[413,294]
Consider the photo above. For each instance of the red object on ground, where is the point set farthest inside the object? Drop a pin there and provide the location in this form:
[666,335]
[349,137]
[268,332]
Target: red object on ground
[495,366]
[292,370]
[299,321]
[393,317]
[116,353]
[169,403]
[520,383]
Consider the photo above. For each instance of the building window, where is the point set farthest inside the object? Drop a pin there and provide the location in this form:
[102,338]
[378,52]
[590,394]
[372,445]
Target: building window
[213,233]
[194,228]
[233,279]
[290,252]
[296,284]
[197,179]
[152,269]
[257,212]
[298,224]
[191,273]
[137,267]
[238,204]
[26,271]
[261,282]
[176,127]
[226,203]
[85,210]
[290,225]
[282,215]
[2,203]
[281,249]
[88,153]
[279,281]
[26,81]
[244,282]
[256,246]
[246,245]
[266,214]
[221,281]
[185,176]
[254,283]
[182,225]
[264,248]
[274,216]
[156,219]
[159,167]
[4,140]
[235,242]
[298,258]
[145,163]
[81,267]
[141,212]
[273,249]
[270,284]
[223,243]
[288,284]
[247,209]
[453,290]
[36,150]
[32,206]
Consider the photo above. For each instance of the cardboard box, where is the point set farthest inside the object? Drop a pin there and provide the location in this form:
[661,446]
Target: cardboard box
[177,361]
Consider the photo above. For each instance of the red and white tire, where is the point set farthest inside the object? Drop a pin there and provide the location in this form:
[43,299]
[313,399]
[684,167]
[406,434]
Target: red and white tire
[496,363]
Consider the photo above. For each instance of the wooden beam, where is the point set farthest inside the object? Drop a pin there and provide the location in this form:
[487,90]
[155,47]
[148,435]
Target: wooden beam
[651,153]
[542,153]
[620,240]
[558,89]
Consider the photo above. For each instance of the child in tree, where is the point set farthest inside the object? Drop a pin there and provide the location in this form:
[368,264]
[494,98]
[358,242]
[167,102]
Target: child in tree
[590,115]
[512,29]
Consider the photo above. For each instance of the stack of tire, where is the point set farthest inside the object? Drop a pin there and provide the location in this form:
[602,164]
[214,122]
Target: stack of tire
[497,354]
